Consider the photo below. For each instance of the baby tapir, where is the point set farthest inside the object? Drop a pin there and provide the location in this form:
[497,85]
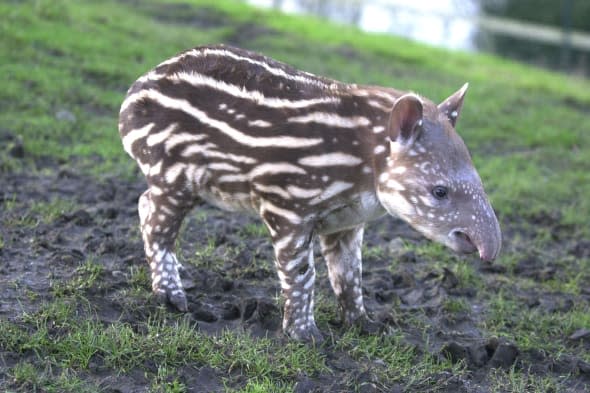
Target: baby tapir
[311,156]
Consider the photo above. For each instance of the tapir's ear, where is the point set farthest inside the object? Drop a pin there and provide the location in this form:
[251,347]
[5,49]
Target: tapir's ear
[452,105]
[406,120]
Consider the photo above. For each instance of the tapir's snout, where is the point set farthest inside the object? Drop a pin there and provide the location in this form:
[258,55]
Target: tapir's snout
[486,238]
[490,244]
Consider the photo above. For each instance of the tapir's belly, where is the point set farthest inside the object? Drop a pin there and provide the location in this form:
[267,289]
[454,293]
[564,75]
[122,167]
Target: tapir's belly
[233,202]
[364,207]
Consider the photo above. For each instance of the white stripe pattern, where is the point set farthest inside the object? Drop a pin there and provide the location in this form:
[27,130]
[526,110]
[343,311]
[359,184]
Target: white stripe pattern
[134,135]
[272,189]
[331,120]
[303,193]
[270,168]
[161,136]
[331,159]
[290,216]
[238,136]
[259,123]
[182,138]
[332,190]
[174,171]
[223,166]
[275,71]
[255,96]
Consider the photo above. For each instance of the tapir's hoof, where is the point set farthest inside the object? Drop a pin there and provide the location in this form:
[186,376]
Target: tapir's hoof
[306,334]
[175,297]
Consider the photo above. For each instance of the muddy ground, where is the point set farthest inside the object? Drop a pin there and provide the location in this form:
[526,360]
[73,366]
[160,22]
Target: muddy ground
[233,286]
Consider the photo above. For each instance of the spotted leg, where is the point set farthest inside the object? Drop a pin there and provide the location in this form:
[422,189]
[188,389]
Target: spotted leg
[296,270]
[342,252]
[160,218]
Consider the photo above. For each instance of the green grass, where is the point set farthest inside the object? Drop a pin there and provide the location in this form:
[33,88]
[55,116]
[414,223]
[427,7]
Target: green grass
[534,325]
[64,337]
[33,213]
[85,277]
[66,66]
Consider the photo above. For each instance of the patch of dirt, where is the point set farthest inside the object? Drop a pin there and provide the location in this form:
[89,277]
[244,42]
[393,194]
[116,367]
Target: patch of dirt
[235,288]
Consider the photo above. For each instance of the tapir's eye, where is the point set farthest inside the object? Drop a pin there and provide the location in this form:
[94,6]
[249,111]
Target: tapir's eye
[440,192]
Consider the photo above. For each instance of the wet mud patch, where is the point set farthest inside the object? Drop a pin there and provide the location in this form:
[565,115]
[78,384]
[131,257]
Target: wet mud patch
[67,238]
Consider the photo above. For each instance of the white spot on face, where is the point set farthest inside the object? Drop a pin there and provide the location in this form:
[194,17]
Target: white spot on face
[395,185]
[379,149]
[454,114]
[325,178]
[396,204]
[426,201]
[425,167]
[367,169]
[398,170]
[420,148]
[395,147]
[378,129]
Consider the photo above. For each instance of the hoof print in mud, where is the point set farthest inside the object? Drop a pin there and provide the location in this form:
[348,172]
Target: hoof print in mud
[504,353]
[262,312]
[204,313]
[496,353]
[230,312]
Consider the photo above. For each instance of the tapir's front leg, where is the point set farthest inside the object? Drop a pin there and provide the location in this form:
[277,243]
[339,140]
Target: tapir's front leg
[342,252]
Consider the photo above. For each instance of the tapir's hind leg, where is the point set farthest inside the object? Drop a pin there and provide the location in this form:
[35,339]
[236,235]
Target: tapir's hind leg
[160,217]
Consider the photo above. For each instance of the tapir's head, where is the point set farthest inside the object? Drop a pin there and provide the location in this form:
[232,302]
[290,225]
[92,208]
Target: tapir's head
[429,179]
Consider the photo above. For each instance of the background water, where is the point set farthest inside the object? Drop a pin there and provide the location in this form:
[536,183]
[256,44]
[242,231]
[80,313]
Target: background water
[548,33]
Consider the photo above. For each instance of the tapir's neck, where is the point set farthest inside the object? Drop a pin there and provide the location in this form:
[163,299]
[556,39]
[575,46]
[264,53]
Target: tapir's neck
[374,104]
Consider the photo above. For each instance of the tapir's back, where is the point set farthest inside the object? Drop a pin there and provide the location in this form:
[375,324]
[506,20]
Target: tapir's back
[218,80]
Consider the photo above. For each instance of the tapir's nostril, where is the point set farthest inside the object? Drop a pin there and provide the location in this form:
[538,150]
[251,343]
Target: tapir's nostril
[461,235]
[462,241]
